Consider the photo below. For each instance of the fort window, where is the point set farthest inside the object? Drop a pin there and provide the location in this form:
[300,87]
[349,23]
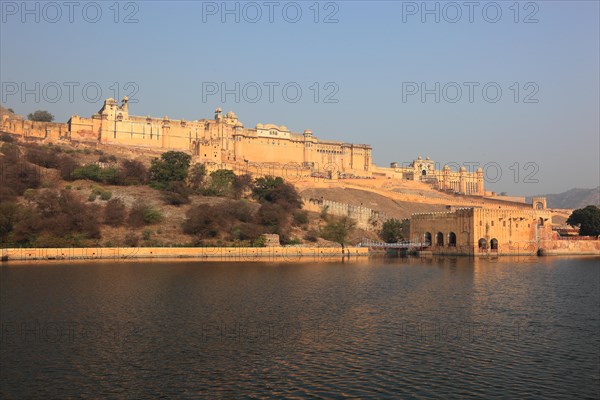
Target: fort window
[541,222]
[427,238]
[503,223]
[452,239]
[494,244]
[492,223]
[439,239]
[482,244]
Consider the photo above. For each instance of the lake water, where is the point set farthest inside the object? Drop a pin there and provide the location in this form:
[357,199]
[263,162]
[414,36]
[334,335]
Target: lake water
[379,328]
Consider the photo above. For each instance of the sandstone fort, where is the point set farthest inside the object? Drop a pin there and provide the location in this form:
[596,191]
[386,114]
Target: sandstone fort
[507,226]
[225,141]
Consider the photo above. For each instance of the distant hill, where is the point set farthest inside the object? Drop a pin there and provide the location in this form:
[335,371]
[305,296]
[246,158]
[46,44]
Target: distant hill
[574,198]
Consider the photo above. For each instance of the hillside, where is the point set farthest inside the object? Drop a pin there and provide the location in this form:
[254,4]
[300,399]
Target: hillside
[65,195]
[572,199]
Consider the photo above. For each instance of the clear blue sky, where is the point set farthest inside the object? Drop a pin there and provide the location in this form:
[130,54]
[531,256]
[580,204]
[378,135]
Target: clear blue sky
[372,57]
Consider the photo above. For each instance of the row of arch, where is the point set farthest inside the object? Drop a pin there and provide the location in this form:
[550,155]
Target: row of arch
[451,240]
[482,244]
[439,239]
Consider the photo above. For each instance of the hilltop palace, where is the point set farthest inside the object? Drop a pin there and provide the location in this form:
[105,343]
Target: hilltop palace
[225,141]
[507,226]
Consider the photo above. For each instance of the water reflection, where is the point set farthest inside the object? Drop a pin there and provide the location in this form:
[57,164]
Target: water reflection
[396,327]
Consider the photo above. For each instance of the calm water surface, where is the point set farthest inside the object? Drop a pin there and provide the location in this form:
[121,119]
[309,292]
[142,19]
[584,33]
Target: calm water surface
[383,328]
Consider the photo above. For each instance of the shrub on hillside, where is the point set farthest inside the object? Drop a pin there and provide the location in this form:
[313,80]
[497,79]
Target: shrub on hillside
[115,212]
[143,214]
[300,217]
[6,137]
[233,220]
[275,218]
[57,215]
[98,191]
[131,239]
[176,193]
[43,157]
[197,176]
[133,172]
[202,221]
[16,175]
[90,172]
[9,212]
[94,172]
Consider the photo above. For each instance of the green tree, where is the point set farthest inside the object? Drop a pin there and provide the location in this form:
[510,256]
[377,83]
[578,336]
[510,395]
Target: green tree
[89,171]
[221,183]
[393,230]
[41,116]
[196,176]
[337,230]
[240,184]
[587,219]
[8,218]
[276,190]
[172,166]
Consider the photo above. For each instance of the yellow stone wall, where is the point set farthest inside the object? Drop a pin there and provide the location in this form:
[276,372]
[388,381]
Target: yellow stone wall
[32,129]
[226,142]
[242,254]
[223,140]
[514,231]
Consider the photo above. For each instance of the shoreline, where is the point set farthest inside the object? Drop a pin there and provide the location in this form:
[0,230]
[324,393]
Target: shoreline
[238,254]
[232,254]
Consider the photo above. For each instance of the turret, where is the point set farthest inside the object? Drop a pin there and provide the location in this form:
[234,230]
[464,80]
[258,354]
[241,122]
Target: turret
[538,203]
[480,184]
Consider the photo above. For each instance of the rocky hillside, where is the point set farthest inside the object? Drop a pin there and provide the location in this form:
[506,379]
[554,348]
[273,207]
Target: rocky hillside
[65,195]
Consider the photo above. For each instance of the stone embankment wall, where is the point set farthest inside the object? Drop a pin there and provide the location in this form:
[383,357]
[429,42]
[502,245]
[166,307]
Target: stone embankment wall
[568,246]
[196,253]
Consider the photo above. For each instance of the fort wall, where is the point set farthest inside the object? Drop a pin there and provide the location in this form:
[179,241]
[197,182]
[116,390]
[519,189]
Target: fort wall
[224,140]
[365,217]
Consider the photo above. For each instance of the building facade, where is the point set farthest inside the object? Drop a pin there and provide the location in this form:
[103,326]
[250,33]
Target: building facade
[224,142]
[479,230]
[424,170]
